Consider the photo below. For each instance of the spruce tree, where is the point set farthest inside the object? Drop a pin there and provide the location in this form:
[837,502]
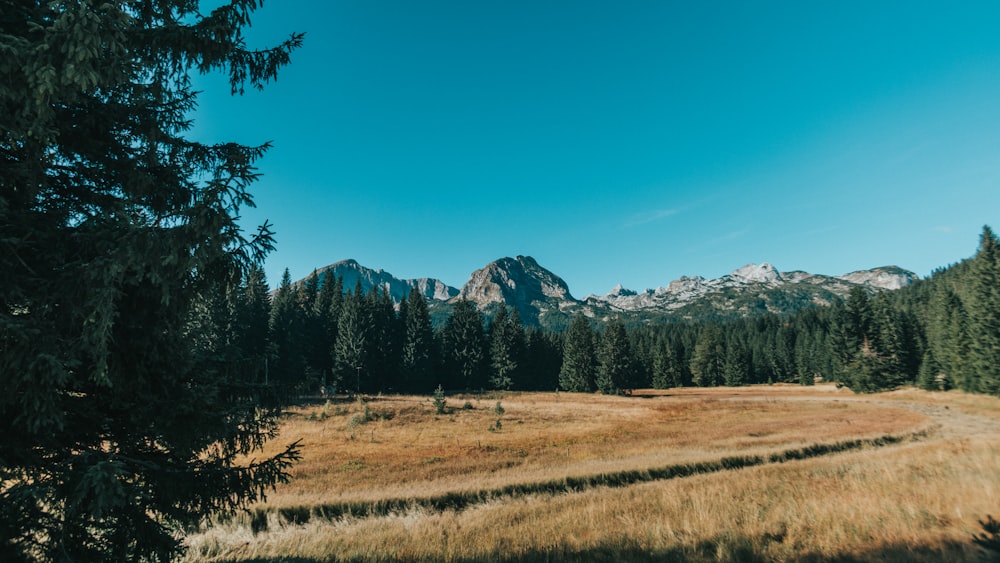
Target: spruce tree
[615,369]
[418,353]
[735,367]
[119,423]
[350,360]
[984,316]
[253,323]
[287,335]
[579,365]
[667,370]
[465,347]
[327,311]
[507,348]
[543,360]
[708,358]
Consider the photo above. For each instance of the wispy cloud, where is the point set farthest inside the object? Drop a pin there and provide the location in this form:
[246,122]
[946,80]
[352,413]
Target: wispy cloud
[943,229]
[650,217]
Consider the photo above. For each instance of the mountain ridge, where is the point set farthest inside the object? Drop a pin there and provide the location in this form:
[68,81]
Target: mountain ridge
[543,298]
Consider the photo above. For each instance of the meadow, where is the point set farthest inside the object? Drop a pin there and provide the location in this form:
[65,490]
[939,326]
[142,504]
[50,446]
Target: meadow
[768,473]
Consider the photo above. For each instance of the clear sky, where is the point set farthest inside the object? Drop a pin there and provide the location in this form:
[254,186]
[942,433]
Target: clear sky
[622,142]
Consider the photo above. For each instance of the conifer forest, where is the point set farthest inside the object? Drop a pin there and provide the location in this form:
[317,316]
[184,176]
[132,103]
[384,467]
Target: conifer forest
[939,333]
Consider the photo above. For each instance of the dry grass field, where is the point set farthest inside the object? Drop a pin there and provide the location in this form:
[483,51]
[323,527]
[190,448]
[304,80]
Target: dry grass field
[766,473]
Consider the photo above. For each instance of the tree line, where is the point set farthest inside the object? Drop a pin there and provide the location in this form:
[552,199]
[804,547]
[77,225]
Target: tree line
[940,333]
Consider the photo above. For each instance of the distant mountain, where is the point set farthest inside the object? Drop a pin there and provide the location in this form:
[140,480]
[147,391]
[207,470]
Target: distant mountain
[543,298]
[519,283]
[351,272]
[752,288]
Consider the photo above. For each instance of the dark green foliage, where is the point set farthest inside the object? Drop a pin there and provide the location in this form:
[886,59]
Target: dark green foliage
[287,335]
[543,360]
[579,365]
[466,347]
[615,369]
[667,369]
[326,309]
[419,351]
[983,307]
[707,363]
[350,352]
[440,403]
[507,350]
[736,366]
[128,390]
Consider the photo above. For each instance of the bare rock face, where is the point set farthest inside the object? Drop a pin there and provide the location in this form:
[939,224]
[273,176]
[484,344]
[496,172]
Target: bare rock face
[753,279]
[352,272]
[517,282]
[886,277]
[541,297]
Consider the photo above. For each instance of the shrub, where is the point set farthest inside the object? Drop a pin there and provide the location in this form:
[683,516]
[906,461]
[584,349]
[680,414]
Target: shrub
[440,404]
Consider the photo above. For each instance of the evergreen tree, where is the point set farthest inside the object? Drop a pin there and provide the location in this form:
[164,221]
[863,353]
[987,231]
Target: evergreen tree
[984,316]
[287,333]
[418,353]
[931,376]
[615,371]
[384,341]
[579,365]
[735,367]
[253,323]
[327,311]
[465,347]
[314,345]
[350,352]
[507,345]
[543,360]
[708,358]
[119,422]
[948,338]
[667,369]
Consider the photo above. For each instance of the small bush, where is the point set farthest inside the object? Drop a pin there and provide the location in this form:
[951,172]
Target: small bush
[440,404]
[467,406]
[498,409]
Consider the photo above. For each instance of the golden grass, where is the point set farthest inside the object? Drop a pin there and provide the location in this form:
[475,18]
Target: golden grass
[920,500]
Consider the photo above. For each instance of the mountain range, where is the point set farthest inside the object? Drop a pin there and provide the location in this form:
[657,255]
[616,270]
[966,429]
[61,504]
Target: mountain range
[543,298]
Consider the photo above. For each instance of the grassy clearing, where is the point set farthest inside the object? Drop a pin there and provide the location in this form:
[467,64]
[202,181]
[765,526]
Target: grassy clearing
[916,501]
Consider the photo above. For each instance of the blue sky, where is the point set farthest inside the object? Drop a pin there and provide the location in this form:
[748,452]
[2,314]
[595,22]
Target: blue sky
[622,142]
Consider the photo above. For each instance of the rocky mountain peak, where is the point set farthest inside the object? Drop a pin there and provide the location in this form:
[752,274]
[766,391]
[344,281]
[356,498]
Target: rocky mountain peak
[886,277]
[352,272]
[517,280]
[757,273]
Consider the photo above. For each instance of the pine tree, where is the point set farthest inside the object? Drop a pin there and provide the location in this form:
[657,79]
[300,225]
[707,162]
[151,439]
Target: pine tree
[327,311]
[350,360]
[579,365]
[667,369]
[735,367]
[615,370]
[507,349]
[418,354]
[287,334]
[253,323]
[118,421]
[384,341]
[465,347]
[543,360]
[708,358]
[984,316]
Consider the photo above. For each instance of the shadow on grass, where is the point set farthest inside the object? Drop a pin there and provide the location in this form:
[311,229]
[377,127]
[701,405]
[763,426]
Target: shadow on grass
[735,549]
[461,500]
